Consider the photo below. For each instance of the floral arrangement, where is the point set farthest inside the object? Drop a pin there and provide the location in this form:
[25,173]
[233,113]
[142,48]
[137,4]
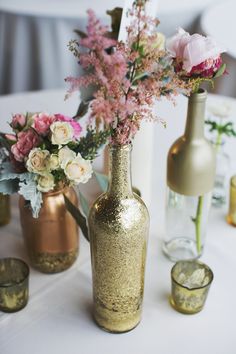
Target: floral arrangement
[46,152]
[128,77]
[196,58]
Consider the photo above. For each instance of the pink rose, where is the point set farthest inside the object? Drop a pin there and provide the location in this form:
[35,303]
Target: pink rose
[193,50]
[18,121]
[26,141]
[75,125]
[42,122]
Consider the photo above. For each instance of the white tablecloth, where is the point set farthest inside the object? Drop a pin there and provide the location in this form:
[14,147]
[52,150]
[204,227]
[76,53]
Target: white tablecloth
[34,37]
[58,319]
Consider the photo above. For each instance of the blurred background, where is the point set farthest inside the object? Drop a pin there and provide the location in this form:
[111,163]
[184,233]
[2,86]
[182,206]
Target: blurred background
[34,37]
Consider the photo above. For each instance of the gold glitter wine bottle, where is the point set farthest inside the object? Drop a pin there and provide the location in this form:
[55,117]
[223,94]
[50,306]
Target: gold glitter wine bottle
[118,228]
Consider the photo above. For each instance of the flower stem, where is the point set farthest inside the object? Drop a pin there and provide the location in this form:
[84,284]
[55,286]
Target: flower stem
[218,141]
[197,221]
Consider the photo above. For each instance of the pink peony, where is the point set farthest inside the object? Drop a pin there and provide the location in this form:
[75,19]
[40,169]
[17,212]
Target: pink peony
[75,125]
[193,50]
[42,122]
[18,121]
[26,141]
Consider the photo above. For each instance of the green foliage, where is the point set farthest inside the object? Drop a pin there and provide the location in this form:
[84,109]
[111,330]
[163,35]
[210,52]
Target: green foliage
[91,143]
[77,215]
[73,47]
[84,204]
[222,129]
[82,110]
[221,71]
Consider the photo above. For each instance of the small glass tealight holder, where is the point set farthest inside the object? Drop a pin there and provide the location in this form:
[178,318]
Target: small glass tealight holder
[231,217]
[191,280]
[14,284]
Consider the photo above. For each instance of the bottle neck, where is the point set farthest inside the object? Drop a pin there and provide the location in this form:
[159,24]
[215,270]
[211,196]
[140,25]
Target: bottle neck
[194,128]
[120,171]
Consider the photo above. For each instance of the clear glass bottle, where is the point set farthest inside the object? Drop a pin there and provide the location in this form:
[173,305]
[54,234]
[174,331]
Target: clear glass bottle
[186,225]
[190,179]
[221,178]
[118,230]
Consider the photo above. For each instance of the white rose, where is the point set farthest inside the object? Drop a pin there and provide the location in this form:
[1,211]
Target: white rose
[53,163]
[78,170]
[45,183]
[37,161]
[62,133]
[65,154]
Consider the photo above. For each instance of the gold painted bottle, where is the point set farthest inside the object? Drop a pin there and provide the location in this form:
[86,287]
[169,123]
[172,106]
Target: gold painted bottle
[190,179]
[51,239]
[118,229]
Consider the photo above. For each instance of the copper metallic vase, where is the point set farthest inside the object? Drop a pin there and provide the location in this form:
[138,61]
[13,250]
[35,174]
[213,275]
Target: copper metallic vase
[118,229]
[51,239]
[5,209]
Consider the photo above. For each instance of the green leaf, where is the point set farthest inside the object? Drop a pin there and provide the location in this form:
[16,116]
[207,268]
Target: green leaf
[9,186]
[28,189]
[8,172]
[84,204]
[82,110]
[81,33]
[102,181]
[77,215]
[139,77]
[221,71]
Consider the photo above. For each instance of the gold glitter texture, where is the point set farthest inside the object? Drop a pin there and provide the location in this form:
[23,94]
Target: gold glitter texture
[118,227]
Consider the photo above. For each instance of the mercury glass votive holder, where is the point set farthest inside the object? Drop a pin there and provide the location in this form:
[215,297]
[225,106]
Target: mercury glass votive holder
[14,284]
[190,280]
[231,217]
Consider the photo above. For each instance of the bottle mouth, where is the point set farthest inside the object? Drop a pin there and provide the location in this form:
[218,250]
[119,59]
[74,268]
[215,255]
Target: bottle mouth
[199,96]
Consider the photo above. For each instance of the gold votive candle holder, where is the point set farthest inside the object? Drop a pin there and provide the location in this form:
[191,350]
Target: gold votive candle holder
[14,284]
[231,217]
[5,209]
[190,280]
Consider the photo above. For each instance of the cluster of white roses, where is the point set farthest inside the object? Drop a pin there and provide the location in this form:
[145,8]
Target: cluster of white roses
[42,163]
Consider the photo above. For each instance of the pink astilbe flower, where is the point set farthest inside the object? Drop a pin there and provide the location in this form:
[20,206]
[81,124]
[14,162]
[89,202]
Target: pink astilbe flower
[129,77]
[75,125]
[96,39]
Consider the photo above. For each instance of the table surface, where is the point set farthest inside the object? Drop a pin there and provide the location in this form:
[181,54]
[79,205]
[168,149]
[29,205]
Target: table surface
[58,316]
[223,12]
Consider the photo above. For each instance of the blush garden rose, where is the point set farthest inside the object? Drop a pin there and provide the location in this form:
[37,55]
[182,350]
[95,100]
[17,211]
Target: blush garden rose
[195,54]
